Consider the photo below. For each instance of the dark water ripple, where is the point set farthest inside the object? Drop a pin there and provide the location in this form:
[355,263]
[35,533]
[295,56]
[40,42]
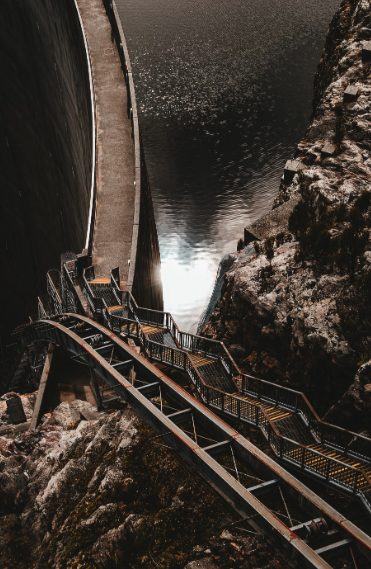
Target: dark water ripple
[224,89]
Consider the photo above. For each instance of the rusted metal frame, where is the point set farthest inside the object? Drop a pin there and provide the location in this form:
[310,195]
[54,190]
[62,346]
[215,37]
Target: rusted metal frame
[71,289]
[232,491]
[149,346]
[307,410]
[53,291]
[264,488]
[333,549]
[244,449]
[42,387]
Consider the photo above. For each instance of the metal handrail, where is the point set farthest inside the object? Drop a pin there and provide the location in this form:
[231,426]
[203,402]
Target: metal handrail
[260,416]
[68,281]
[53,291]
[42,314]
[122,48]
[186,340]
[215,397]
[156,350]
[300,402]
[149,346]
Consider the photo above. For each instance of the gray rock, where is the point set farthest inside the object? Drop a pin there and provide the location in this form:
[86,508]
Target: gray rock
[205,563]
[66,416]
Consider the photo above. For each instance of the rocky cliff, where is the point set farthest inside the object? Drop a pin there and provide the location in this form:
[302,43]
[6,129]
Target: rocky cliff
[295,306]
[106,492]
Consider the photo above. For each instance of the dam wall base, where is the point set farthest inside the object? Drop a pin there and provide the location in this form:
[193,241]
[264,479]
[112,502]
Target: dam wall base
[45,147]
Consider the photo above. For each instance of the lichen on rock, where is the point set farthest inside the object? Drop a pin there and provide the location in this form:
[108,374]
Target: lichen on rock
[108,494]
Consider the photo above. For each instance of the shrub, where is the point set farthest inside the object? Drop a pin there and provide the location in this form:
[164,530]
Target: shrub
[269,249]
[299,218]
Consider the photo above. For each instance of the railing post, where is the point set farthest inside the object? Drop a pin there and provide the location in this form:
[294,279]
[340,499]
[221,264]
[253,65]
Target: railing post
[328,469]
[303,453]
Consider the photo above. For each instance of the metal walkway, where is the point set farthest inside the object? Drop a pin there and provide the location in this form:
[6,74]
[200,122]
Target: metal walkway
[296,434]
[265,495]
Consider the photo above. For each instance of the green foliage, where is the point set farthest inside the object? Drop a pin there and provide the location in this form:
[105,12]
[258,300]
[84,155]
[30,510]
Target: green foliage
[280,238]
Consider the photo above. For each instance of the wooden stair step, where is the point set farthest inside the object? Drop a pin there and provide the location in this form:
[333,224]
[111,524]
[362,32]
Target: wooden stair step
[111,309]
[100,280]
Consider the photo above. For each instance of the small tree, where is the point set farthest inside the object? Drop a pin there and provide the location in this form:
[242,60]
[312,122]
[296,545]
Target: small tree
[257,248]
[269,249]
[240,245]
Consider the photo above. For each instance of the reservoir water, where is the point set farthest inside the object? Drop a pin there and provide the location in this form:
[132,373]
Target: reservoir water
[224,89]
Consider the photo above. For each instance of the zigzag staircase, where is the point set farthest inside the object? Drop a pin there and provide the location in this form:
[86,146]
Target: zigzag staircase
[296,434]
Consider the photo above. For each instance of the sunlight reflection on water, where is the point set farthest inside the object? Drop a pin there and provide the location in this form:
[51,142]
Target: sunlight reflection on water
[186,283]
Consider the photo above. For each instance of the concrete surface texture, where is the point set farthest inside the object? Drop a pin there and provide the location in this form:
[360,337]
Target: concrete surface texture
[115,150]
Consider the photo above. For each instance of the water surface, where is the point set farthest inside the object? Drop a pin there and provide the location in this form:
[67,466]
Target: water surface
[224,89]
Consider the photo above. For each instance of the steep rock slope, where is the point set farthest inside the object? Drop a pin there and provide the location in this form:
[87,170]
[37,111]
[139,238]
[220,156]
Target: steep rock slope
[296,305]
[107,493]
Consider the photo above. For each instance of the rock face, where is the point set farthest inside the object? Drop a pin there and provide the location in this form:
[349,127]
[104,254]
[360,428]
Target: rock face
[355,404]
[107,493]
[298,303]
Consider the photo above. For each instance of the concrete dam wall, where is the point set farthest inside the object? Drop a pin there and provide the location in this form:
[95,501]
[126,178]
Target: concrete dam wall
[45,147]
[49,149]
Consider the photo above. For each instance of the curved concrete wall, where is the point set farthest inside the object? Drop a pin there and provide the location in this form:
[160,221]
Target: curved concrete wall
[45,147]
[144,279]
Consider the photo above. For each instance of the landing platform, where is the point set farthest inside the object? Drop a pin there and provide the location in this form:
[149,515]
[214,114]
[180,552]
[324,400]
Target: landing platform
[115,150]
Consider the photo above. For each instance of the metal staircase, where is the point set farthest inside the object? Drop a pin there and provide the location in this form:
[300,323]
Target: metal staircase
[262,492]
[295,432]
